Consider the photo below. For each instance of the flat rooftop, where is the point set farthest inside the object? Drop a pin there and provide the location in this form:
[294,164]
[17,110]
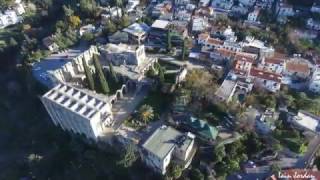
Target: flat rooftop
[79,101]
[160,24]
[162,141]
[226,88]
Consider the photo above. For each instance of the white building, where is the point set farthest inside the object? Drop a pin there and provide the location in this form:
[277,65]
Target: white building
[315,7]
[8,18]
[137,32]
[272,64]
[78,111]
[313,24]
[253,16]
[314,84]
[284,10]
[123,54]
[87,29]
[222,5]
[247,2]
[199,24]
[64,67]
[132,4]
[268,80]
[167,145]
[307,121]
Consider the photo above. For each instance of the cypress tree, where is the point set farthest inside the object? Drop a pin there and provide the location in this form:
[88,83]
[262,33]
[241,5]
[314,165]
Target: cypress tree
[184,50]
[88,73]
[112,73]
[102,80]
[161,75]
[169,45]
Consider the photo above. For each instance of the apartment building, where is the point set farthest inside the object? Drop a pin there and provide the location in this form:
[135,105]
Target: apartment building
[78,111]
[167,145]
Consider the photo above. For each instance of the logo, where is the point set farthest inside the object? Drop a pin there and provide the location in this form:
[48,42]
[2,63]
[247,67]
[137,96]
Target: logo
[298,174]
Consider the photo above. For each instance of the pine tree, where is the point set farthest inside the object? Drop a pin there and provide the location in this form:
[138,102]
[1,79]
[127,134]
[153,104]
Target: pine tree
[103,82]
[88,73]
[169,45]
[112,73]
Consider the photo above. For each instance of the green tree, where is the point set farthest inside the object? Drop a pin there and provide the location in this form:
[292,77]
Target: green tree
[184,49]
[161,75]
[88,36]
[74,21]
[196,174]
[146,113]
[169,43]
[88,73]
[219,153]
[110,27]
[112,73]
[102,80]
[124,21]
[129,156]
[175,171]
[12,42]
[88,7]
[67,11]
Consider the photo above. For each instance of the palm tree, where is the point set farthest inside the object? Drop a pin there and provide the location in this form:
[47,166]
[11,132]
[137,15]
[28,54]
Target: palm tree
[146,113]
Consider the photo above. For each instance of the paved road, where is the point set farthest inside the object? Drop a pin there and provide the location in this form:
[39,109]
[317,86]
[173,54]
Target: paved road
[127,105]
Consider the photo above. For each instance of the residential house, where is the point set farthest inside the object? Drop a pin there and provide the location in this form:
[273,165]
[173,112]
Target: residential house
[87,29]
[49,43]
[158,32]
[242,64]
[253,16]
[284,10]
[247,3]
[204,39]
[137,32]
[315,7]
[183,15]
[200,127]
[112,13]
[167,145]
[78,111]
[306,121]
[222,5]
[131,5]
[199,24]
[268,80]
[252,45]
[229,35]
[9,18]
[314,83]
[161,8]
[264,4]
[204,11]
[204,3]
[297,68]
[181,2]
[313,24]
[273,64]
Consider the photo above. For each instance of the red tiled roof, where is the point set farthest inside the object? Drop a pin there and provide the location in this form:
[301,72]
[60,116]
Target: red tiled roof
[225,52]
[244,57]
[300,67]
[265,75]
[274,60]
[214,41]
[203,36]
